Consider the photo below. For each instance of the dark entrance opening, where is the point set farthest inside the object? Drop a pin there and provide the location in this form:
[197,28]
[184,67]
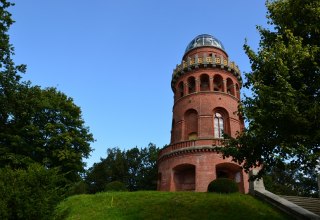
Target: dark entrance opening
[184,177]
[230,171]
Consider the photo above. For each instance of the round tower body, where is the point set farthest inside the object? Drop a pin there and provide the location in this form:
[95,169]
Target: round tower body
[206,87]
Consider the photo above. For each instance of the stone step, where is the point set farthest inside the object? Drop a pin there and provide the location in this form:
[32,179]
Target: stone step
[311,204]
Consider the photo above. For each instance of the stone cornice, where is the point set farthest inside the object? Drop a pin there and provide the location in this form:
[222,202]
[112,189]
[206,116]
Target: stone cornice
[194,149]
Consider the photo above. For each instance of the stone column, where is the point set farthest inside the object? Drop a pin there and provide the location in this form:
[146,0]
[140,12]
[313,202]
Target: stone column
[211,84]
[185,89]
[197,82]
[235,91]
[224,89]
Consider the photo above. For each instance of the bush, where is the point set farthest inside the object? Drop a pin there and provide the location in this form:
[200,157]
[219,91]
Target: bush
[223,185]
[30,194]
[78,188]
[115,186]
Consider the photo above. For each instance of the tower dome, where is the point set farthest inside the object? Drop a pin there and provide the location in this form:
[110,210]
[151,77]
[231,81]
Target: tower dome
[204,40]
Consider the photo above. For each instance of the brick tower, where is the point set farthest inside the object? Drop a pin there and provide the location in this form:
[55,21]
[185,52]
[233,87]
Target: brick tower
[206,87]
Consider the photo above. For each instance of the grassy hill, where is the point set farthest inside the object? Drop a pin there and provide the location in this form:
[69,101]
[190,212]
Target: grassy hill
[165,205]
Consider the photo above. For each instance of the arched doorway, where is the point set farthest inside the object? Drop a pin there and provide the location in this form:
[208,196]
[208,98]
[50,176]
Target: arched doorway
[184,177]
[230,171]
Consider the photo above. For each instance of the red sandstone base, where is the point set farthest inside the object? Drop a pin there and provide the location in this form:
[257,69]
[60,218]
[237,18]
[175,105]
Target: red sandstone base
[194,171]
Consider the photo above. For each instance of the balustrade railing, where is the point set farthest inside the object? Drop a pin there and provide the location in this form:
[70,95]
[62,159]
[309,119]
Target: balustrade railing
[191,143]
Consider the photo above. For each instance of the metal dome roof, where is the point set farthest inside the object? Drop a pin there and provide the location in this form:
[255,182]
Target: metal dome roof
[204,40]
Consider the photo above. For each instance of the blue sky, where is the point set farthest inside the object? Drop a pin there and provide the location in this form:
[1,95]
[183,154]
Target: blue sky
[115,58]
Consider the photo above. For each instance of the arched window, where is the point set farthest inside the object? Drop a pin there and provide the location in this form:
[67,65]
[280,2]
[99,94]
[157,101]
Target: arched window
[218,83]
[191,124]
[218,125]
[180,90]
[204,82]
[191,85]
[230,87]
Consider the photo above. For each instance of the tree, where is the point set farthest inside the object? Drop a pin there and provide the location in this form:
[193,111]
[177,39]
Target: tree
[149,169]
[112,168]
[142,168]
[37,125]
[9,77]
[289,180]
[45,127]
[136,168]
[30,193]
[283,114]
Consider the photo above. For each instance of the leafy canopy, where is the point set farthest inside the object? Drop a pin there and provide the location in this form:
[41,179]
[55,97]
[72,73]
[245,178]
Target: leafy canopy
[37,125]
[136,168]
[288,180]
[283,114]
[31,193]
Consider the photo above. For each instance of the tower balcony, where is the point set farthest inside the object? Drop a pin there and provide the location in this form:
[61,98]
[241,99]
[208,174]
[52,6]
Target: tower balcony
[189,146]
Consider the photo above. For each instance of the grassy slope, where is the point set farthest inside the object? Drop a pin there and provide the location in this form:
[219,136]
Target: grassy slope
[165,205]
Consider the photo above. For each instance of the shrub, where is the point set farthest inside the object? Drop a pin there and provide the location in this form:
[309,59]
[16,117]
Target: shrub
[78,188]
[30,194]
[115,186]
[223,185]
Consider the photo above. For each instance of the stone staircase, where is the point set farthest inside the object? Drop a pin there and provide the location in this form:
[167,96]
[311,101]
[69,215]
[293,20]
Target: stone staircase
[311,204]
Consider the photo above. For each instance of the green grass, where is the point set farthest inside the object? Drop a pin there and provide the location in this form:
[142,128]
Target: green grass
[165,205]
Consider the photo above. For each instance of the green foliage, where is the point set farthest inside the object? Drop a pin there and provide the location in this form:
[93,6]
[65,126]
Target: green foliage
[30,194]
[37,125]
[112,168]
[77,188]
[136,168]
[283,112]
[223,185]
[45,127]
[289,180]
[142,168]
[165,205]
[115,186]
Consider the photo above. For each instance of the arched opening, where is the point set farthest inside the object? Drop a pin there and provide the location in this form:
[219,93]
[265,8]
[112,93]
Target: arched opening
[221,123]
[191,85]
[185,177]
[191,124]
[230,87]
[204,83]
[230,171]
[180,90]
[218,83]
[238,91]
